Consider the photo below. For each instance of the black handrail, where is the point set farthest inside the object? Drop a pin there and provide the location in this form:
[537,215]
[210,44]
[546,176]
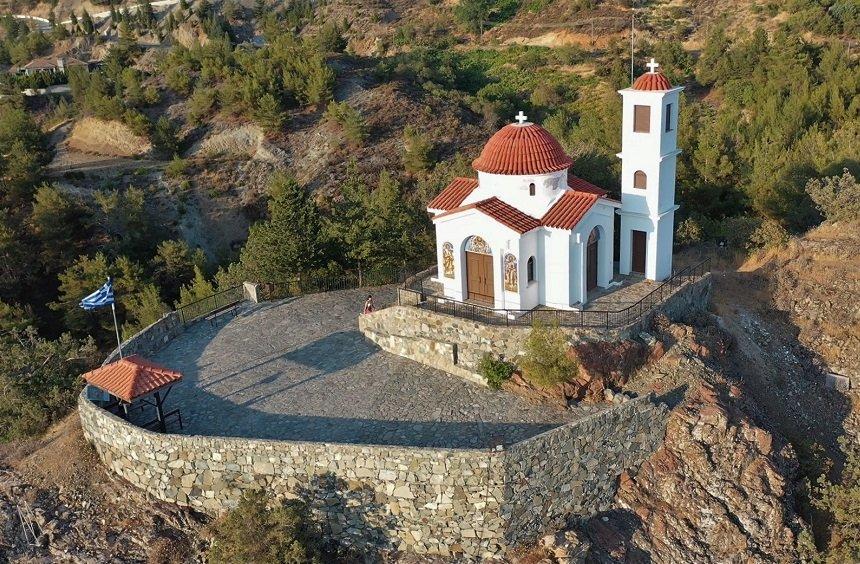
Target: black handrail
[566,318]
[317,283]
[204,306]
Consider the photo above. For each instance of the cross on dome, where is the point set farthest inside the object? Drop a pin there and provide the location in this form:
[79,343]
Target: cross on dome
[521,117]
[652,66]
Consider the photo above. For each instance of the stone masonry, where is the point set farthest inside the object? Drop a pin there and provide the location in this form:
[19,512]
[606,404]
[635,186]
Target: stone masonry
[456,345]
[471,502]
[468,502]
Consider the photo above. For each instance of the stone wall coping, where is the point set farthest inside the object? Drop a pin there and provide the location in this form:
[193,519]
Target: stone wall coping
[85,403]
[619,408]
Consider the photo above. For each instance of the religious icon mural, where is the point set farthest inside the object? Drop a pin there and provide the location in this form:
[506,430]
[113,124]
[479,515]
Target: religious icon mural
[448,260]
[476,244]
[511,284]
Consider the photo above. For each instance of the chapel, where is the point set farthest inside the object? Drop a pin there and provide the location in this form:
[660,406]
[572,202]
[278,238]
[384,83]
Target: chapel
[525,233]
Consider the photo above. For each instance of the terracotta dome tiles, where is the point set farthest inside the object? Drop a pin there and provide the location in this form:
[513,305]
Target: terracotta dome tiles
[522,149]
[652,81]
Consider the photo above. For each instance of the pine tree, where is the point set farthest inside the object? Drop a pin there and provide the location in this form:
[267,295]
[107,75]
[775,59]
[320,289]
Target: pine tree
[289,243]
[269,114]
[143,309]
[87,23]
[198,289]
[173,266]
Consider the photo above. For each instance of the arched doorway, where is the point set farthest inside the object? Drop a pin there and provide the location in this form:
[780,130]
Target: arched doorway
[479,271]
[591,260]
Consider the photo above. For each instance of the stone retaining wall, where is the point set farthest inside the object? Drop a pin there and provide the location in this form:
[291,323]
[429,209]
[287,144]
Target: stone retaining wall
[572,471]
[456,345]
[151,338]
[476,503]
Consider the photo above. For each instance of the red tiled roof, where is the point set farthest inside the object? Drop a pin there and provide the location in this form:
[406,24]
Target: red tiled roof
[522,149]
[131,377]
[652,81]
[501,212]
[453,194]
[569,209]
[580,185]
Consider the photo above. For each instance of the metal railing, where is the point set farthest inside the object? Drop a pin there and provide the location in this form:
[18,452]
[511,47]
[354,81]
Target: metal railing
[565,318]
[318,283]
[216,302]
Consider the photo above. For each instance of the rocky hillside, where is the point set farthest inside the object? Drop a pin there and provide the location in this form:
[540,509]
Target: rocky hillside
[815,281]
[721,487]
[76,511]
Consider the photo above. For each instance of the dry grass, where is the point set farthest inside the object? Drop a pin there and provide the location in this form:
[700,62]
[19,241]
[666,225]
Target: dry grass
[110,138]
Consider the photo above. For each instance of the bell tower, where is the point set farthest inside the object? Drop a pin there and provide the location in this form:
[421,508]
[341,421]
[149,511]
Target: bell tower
[649,152]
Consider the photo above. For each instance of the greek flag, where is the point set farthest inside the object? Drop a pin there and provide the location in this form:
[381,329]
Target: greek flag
[101,297]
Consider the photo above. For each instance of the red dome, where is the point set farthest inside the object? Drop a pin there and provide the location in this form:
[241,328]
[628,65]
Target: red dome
[522,149]
[652,81]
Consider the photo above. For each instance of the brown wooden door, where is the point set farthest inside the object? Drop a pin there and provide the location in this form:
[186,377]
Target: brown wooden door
[591,267]
[479,277]
[639,239]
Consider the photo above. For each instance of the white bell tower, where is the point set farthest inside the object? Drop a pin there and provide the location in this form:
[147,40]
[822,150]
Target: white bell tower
[649,152]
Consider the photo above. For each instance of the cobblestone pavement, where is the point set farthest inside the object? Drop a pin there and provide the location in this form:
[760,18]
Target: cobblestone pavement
[299,369]
[628,290]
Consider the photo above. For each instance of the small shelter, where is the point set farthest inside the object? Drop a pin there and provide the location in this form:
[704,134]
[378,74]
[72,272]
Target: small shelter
[134,378]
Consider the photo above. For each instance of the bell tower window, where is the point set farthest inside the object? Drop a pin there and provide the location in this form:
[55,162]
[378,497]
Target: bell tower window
[668,117]
[641,119]
[640,180]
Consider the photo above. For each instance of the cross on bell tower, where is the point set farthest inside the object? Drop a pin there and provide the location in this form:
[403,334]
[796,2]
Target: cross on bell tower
[652,66]
[521,117]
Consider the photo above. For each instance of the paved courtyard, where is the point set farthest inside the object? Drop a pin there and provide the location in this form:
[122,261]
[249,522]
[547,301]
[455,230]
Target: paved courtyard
[299,369]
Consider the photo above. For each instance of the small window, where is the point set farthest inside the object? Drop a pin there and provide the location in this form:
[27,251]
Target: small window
[532,189]
[640,180]
[530,269]
[668,117]
[642,119]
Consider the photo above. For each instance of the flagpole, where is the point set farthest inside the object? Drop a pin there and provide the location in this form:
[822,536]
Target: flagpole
[116,326]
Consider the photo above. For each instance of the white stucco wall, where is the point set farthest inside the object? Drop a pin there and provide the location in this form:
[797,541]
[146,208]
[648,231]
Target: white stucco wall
[456,229]
[514,190]
[655,153]
[560,259]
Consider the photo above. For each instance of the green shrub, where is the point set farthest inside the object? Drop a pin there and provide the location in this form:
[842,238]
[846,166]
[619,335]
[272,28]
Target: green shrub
[546,361]
[495,371]
[255,532]
[39,380]
[770,233]
[330,38]
[417,149]
[836,197]
[689,231]
[201,103]
[350,120]
[176,168]
[842,502]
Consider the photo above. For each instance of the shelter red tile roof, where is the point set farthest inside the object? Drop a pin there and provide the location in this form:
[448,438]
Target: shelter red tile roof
[569,209]
[522,149]
[131,377]
[453,194]
[576,183]
[652,81]
[501,212]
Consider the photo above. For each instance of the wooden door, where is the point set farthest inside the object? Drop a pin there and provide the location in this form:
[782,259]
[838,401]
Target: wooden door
[591,267]
[639,239]
[479,277]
